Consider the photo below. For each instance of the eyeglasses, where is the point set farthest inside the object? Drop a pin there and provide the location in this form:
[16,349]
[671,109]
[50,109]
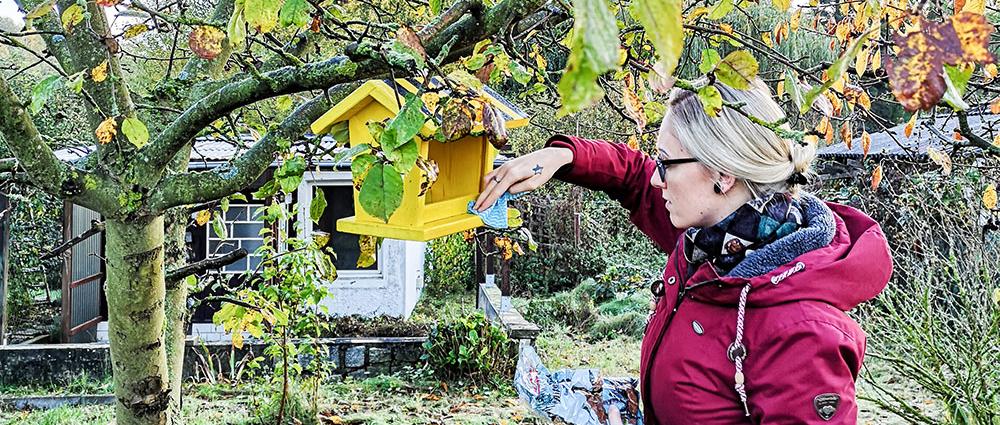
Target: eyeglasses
[662,164]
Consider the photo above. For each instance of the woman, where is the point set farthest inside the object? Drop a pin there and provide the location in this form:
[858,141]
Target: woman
[749,323]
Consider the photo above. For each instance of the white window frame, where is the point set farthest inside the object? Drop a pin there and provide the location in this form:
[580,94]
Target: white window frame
[210,235]
[305,193]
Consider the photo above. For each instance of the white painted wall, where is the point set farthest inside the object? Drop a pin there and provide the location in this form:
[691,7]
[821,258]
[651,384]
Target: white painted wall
[393,289]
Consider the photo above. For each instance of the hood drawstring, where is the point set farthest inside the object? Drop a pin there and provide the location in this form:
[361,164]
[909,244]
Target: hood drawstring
[737,351]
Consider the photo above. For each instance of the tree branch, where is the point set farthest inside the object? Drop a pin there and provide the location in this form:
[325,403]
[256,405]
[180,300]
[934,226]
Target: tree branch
[206,264]
[95,228]
[318,75]
[966,131]
[198,187]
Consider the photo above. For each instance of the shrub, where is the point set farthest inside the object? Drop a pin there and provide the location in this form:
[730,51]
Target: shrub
[631,324]
[638,303]
[471,348]
[571,308]
[448,265]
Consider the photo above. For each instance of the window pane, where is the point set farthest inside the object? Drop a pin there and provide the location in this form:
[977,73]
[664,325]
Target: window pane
[237,213]
[246,230]
[238,266]
[340,204]
[251,245]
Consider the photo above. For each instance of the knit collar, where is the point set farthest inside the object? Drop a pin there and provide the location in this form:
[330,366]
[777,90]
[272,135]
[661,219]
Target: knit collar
[751,227]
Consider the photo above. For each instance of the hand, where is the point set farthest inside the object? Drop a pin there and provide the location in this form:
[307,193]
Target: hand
[522,174]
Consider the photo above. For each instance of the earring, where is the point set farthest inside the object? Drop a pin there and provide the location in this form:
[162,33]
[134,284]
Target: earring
[717,187]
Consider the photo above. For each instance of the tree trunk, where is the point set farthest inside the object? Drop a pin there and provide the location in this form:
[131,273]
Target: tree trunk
[176,310]
[136,294]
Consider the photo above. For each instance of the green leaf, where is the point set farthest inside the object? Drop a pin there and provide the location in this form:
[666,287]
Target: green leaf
[341,132]
[399,54]
[662,20]
[952,94]
[711,100]
[737,70]
[466,79]
[289,174]
[382,191]
[405,157]
[351,153]
[836,70]
[236,30]
[318,205]
[135,131]
[294,13]
[435,7]
[959,76]
[475,62]
[593,52]
[262,15]
[721,9]
[266,191]
[238,196]
[793,90]
[709,59]
[43,91]
[405,125]
[520,74]
[361,165]
[219,227]
[75,83]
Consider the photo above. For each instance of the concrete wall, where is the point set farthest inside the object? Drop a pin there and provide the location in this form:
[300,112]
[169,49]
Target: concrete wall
[58,364]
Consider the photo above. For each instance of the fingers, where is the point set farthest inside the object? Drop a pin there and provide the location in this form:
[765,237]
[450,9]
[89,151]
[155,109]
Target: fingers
[528,184]
[490,183]
[496,189]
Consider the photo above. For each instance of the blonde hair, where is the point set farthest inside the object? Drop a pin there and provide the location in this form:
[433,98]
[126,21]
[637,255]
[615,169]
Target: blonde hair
[732,144]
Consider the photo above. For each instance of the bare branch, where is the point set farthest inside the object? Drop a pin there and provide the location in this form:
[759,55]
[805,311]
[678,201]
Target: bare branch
[206,264]
[95,228]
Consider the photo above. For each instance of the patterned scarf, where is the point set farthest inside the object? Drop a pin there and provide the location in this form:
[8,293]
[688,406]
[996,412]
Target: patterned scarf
[755,224]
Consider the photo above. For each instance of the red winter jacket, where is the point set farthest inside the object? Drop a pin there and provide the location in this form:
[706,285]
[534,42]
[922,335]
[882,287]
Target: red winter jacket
[803,353]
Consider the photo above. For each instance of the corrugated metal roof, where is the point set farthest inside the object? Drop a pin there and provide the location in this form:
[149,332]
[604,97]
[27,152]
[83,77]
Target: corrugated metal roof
[936,133]
[207,149]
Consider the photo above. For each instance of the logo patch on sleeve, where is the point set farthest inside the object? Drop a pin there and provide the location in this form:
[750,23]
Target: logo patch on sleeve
[826,405]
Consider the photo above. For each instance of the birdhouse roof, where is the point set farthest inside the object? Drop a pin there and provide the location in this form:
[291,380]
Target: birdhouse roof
[391,93]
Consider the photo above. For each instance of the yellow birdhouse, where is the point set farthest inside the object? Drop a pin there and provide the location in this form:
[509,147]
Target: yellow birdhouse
[422,214]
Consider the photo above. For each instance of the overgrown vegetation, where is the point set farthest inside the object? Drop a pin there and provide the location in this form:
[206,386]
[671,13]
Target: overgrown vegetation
[937,324]
[471,348]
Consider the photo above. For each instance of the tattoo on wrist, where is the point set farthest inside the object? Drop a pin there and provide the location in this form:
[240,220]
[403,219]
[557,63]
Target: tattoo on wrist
[538,169]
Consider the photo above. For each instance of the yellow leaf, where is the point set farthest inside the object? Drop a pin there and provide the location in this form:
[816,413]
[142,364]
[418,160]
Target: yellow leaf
[781,5]
[106,131]
[135,30]
[990,197]
[996,296]
[995,106]
[100,72]
[974,6]
[845,132]
[876,62]
[367,243]
[633,106]
[766,38]
[908,129]
[72,16]
[866,143]
[796,20]
[877,177]
[633,142]
[430,100]
[41,10]
[940,158]
[781,89]
[861,62]
[996,140]
[864,100]
[990,70]
[726,28]
[202,217]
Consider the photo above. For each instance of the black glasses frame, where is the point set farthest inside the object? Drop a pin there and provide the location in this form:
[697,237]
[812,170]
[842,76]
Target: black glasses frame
[662,164]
